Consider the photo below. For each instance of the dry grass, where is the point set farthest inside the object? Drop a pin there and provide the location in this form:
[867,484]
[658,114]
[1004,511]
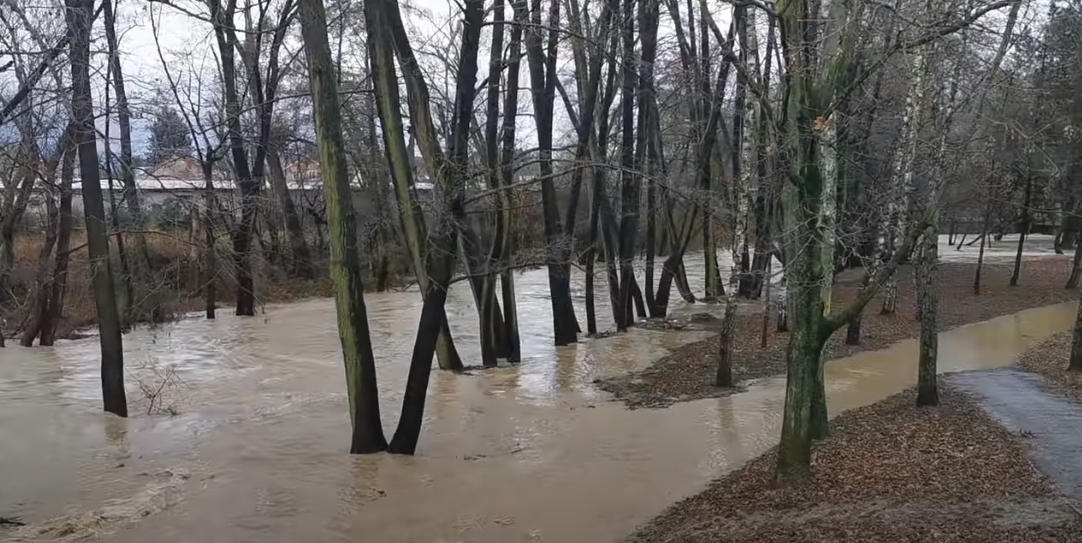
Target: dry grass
[687,373]
[889,472]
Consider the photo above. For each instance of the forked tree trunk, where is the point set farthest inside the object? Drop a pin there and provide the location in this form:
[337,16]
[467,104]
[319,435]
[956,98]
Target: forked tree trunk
[506,219]
[78,15]
[451,174]
[367,436]
[388,105]
[55,308]
[249,187]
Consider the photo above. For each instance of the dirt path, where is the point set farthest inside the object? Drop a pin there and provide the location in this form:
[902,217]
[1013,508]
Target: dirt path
[1053,425]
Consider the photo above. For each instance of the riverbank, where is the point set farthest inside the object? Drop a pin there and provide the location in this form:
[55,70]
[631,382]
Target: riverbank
[687,373]
[888,472]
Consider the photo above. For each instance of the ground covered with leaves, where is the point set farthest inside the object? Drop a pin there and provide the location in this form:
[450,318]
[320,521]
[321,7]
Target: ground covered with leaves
[889,472]
[687,373]
[1049,359]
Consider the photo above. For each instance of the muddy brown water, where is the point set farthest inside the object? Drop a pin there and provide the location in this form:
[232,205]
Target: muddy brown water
[530,453]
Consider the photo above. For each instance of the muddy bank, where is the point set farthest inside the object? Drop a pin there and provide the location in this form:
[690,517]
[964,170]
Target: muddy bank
[888,472]
[687,374]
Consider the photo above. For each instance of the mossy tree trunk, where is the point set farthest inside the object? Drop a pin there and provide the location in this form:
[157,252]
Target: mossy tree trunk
[345,264]
[388,100]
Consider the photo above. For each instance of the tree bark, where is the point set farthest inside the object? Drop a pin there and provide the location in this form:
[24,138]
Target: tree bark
[249,187]
[298,245]
[543,76]
[451,175]
[345,262]
[140,265]
[1023,229]
[79,22]
[413,227]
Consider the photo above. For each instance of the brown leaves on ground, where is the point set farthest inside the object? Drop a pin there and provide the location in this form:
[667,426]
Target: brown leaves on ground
[889,472]
[1049,359]
[687,374]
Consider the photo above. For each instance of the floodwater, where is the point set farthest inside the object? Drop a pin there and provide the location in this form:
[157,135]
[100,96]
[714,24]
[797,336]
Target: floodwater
[257,448]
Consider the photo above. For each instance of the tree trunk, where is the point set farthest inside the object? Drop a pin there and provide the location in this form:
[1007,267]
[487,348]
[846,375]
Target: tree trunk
[55,308]
[210,247]
[345,261]
[1075,363]
[40,298]
[543,80]
[927,387]
[412,220]
[451,175]
[249,187]
[139,267]
[1023,229]
[1076,268]
[79,23]
[505,224]
[984,238]
[302,256]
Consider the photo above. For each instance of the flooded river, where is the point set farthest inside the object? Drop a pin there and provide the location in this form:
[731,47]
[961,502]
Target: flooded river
[257,449]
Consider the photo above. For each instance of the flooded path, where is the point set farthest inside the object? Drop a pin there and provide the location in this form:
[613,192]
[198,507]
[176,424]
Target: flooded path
[530,453]
[1052,423]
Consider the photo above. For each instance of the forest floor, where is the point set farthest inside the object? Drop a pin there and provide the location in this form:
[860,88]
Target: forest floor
[888,472]
[688,372]
[1049,360]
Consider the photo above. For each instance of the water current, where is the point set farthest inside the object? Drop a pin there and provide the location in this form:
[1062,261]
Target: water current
[256,449]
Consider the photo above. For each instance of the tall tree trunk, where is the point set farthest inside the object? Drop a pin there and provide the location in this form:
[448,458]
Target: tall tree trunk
[492,160]
[927,387]
[1023,229]
[451,175]
[139,282]
[985,228]
[210,246]
[630,192]
[1075,363]
[345,262]
[506,218]
[79,21]
[59,283]
[1076,268]
[301,255]
[249,187]
[388,105]
[543,75]
[43,284]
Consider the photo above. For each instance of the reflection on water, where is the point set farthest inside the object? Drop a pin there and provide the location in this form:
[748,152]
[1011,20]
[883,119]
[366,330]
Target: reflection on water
[516,454]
